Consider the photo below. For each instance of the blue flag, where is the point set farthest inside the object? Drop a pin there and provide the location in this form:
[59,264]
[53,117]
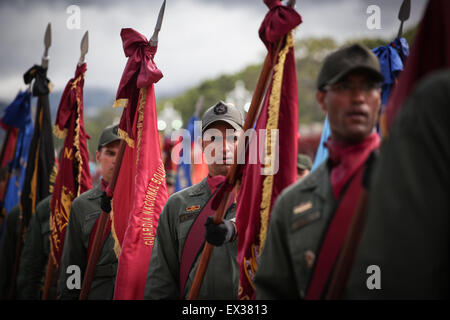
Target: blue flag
[322,152]
[18,114]
[183,175]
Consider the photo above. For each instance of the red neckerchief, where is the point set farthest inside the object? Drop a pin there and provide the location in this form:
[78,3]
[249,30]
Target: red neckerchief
[347,158]
[103,185]
[214,182]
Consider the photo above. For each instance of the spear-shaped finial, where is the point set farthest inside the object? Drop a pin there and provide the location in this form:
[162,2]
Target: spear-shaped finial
[47,44]
[84,47]
[403,15]
[154,39]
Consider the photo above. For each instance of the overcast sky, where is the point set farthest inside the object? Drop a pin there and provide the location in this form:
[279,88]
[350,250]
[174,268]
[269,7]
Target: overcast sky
[199,39]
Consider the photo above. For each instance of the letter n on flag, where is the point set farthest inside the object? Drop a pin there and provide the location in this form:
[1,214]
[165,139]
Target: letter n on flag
[140,192]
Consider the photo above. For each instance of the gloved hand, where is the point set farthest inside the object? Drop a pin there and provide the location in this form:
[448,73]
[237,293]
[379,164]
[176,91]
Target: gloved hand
[105,203]
[218,234]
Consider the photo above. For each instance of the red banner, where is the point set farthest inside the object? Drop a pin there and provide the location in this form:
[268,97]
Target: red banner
[73,176]
[277,128]
[140,192]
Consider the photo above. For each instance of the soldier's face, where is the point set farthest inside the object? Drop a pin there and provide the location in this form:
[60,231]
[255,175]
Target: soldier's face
[352,106]
[106,157]
[219,143]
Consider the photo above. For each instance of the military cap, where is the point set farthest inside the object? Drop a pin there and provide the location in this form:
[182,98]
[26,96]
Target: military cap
[226,112]
[109,134]
[304,162]
[345,60]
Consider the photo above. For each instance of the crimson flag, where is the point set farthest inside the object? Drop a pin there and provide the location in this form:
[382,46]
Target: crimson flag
[276,136]
[73,177]
[140,191]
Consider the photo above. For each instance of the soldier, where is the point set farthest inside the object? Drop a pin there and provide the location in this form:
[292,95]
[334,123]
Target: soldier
[404,250]
[84,212]
[221,126]
[304,165]
[310,218]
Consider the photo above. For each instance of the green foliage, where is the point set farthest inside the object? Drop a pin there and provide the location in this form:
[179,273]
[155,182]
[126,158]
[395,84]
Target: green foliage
[95,126]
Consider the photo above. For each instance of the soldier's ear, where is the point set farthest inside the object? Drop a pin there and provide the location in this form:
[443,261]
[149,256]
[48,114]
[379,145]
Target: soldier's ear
[97,155]
[320,97]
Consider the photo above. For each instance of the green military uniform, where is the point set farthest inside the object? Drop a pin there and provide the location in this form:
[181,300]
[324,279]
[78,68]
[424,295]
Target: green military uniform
[407,228]
[299,219]
[35,253]
[222,276]
[8,251]
[84,212]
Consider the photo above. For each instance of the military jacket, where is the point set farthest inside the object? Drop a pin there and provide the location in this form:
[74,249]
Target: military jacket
[222,276]
[84,212]
[298,224]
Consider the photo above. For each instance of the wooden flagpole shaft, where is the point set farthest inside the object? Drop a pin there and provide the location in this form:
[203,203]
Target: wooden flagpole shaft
[101,227]
[48,278]
[258,95]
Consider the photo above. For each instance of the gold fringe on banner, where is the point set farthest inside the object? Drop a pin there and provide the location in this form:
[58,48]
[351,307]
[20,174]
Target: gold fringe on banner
[124,135]
[272,123]
[120,103]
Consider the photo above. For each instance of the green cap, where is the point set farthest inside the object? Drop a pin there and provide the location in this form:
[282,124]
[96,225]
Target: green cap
[222,111]
[109,134]
[304,162]
[345,60]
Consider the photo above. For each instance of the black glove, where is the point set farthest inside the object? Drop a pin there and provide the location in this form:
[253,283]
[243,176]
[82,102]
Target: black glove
[105,203]
[218,234]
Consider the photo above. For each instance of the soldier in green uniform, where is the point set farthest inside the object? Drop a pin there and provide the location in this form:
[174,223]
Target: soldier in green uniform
[221,125]
[84,212]
[35,253]
[300,226]
[404,250]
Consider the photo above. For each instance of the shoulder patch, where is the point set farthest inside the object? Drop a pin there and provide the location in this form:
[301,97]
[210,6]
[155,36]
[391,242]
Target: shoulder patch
[193,208]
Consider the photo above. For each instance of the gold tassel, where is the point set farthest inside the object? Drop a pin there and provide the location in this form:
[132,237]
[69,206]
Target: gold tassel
[124,136]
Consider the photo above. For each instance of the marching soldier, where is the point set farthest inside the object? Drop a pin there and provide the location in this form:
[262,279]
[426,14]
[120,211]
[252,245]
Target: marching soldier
[310,218]
[84,212]
[171,272]
[406,235]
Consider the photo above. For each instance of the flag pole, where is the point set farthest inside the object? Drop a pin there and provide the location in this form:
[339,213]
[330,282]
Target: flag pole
[261,88]
[98,237]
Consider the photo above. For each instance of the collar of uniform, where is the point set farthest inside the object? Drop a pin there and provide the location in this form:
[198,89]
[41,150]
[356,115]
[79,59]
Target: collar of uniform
[317,180]
[96,192]
[200,188]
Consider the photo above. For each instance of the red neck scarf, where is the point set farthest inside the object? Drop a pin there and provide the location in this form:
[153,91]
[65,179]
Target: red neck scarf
[347,158]
[214,182]
[103,185]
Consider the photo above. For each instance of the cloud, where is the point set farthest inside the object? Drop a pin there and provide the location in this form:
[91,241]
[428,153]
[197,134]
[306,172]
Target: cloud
[199,39]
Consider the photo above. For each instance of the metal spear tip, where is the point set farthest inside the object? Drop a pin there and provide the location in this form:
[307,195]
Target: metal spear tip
[405,10]
[403,15]
[154,39]
[291,3]
[84,47]
[47,44]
